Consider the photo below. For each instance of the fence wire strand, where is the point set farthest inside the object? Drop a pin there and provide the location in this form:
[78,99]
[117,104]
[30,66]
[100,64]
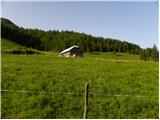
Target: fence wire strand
[94,94]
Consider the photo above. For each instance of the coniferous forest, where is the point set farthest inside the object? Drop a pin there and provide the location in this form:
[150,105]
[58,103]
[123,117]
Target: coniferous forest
[58,40]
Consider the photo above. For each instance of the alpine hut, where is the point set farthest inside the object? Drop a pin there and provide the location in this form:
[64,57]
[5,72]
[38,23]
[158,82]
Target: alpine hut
[73,51]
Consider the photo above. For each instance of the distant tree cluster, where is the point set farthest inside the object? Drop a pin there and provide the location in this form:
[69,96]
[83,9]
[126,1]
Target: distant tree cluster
[57,41]
[150,54]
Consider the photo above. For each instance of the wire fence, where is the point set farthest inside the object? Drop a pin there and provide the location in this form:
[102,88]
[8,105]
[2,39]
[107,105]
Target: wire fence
[86,95]
[93,94]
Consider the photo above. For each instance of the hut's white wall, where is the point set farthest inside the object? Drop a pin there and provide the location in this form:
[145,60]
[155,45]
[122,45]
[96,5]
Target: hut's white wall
[67,54]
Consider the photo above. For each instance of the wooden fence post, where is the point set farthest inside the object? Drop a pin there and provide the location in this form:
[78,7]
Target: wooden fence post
[86,101]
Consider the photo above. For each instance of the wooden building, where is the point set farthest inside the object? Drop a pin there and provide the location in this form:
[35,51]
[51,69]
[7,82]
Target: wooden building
[73,51]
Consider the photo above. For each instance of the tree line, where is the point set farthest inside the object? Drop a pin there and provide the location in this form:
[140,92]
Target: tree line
[59,40]
[150,54]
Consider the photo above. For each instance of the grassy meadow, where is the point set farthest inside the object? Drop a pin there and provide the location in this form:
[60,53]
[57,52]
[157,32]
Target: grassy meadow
[114,74]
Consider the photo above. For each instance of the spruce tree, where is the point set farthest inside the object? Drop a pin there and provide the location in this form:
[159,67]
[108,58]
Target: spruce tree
[155,53]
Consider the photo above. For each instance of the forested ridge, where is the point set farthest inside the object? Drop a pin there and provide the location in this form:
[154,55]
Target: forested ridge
[58,40]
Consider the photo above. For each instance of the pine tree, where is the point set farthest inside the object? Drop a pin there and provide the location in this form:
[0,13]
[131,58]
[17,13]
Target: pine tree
[143,55]
[155,53]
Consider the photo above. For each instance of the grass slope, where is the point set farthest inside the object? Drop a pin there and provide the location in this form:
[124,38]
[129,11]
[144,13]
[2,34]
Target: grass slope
[46,72]
[7,45]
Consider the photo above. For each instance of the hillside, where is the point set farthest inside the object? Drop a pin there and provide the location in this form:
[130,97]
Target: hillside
[57,41]
[8,45]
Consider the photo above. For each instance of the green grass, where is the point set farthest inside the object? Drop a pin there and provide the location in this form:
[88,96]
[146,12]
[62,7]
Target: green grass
[110,55]
[7,45]
[47,72]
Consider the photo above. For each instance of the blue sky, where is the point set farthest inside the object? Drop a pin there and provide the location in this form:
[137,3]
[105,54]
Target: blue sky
[135,22]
